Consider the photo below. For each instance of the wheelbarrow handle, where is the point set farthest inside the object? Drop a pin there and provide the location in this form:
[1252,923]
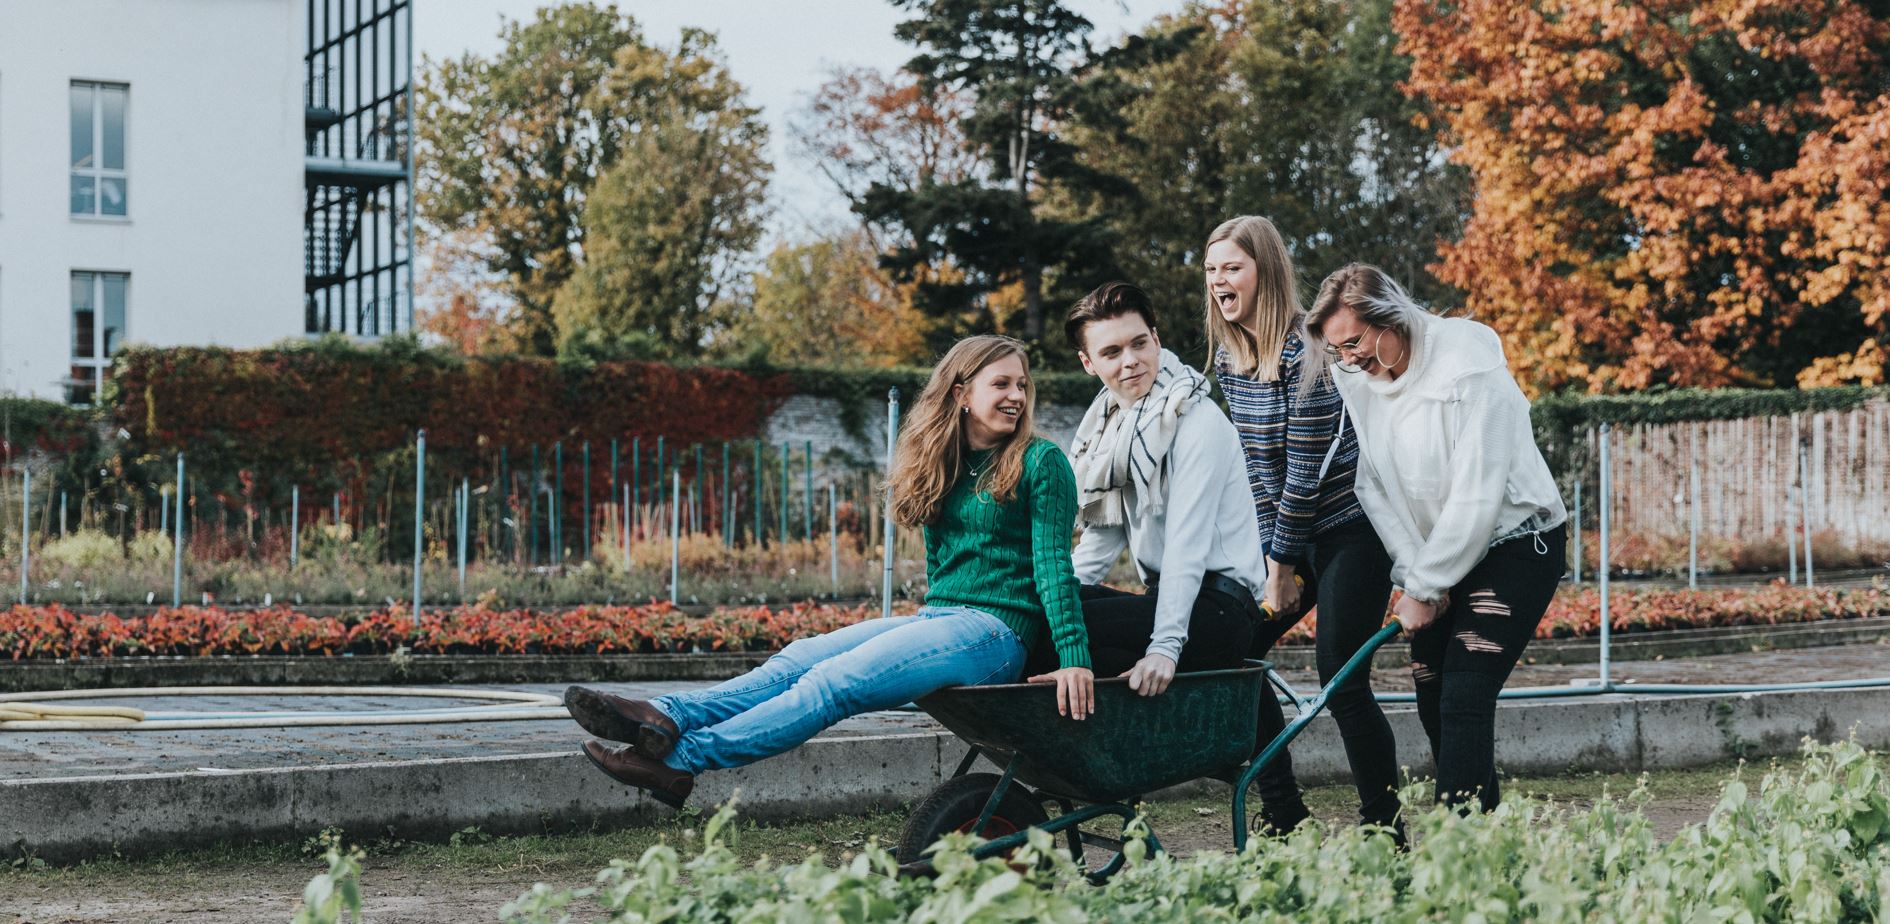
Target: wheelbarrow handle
[1307,713]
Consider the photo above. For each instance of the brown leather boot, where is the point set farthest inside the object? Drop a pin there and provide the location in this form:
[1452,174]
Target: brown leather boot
[635,722]
[666,785]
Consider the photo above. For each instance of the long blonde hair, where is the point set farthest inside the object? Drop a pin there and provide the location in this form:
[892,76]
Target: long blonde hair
[1276,310]
[933,443]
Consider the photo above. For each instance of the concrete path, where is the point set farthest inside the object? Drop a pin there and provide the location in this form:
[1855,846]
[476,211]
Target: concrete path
[68,794]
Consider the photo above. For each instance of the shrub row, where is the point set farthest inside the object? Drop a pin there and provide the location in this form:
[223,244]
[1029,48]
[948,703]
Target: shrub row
[313,403]
[1807,844]
[55,632]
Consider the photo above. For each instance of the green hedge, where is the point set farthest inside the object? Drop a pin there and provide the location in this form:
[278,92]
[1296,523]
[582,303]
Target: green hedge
[862,392]
[30,424]
[1578,412]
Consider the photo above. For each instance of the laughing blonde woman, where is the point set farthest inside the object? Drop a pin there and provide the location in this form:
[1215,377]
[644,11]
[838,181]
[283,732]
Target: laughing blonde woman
[1301,456]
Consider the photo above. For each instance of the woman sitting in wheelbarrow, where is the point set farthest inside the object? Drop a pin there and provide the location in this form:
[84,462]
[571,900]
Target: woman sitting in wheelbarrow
[997,504]
[1160,471]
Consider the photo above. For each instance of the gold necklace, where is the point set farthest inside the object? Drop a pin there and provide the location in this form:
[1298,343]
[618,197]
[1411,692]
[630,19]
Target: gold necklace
[973,467]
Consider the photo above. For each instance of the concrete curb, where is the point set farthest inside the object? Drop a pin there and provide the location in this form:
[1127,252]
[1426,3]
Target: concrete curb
[280,670]
[68,819]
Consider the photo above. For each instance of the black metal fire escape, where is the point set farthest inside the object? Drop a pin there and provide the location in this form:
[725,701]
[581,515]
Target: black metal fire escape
[357,226]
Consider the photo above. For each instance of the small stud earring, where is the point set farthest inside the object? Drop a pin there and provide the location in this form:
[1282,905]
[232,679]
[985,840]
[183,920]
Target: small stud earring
[965,410]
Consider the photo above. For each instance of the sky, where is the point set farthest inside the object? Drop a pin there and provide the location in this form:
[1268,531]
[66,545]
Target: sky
[780,50]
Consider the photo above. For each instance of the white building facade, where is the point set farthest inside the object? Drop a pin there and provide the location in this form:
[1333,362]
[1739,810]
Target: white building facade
[152,157]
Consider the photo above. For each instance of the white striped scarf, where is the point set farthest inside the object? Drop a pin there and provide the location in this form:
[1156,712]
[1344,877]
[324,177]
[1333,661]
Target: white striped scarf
[1114,444]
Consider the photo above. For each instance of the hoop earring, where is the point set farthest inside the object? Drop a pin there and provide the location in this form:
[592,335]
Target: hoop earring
[1381,359]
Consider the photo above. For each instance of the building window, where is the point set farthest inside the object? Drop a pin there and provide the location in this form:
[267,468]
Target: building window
[98,331]
[98,149]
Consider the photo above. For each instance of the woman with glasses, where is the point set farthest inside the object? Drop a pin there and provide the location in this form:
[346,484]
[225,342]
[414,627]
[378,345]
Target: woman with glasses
[1301,455]
[1451,478]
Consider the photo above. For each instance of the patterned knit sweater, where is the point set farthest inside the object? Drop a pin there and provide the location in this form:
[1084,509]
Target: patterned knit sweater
[1285,435]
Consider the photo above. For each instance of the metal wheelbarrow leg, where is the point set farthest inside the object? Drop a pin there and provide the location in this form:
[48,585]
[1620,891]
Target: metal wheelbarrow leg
[1308,711]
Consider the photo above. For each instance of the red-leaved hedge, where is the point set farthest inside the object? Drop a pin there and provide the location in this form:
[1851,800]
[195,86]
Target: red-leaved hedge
[55,632]
[28,632]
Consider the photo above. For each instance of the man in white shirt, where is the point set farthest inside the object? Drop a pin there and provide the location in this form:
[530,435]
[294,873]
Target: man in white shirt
[1160,471]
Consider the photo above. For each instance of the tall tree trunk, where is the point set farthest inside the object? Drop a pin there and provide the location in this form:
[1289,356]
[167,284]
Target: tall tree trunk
[1033,300]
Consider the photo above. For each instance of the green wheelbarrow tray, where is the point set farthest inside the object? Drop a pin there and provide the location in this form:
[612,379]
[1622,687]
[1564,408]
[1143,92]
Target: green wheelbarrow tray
[1203,725]
[1131,745]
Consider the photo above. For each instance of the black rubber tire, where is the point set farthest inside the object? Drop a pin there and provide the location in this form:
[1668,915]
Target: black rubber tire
[955,806]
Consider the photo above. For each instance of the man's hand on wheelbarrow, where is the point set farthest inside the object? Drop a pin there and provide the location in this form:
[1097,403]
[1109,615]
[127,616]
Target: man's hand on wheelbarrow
[1150,676]
[1076,690]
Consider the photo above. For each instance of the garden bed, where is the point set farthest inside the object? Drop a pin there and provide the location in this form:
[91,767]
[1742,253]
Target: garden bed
[41,633]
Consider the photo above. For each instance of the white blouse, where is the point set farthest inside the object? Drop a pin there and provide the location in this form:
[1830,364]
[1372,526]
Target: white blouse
[1448,464]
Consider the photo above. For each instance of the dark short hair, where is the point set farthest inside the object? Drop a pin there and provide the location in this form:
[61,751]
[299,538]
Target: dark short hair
[1110,300]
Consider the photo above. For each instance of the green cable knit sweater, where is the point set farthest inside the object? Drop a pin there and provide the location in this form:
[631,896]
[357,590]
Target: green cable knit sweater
[1013,560]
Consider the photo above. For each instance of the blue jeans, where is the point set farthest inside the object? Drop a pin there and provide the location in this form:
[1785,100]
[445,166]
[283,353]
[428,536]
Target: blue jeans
[815,682]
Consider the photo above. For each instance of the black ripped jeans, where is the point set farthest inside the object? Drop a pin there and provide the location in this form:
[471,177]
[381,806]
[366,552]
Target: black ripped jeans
[1460,662]
[1348,578]
[1352,585]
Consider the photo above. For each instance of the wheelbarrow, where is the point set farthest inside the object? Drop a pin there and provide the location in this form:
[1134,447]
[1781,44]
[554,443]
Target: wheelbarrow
[1132,745]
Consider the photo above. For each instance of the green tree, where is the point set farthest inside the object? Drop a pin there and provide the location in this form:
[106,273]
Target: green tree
[833,285]
[1288,109]
[670,221]
[512,148]
[1029,69]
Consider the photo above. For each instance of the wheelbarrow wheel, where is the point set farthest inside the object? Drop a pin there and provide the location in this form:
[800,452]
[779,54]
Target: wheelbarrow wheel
[956,805]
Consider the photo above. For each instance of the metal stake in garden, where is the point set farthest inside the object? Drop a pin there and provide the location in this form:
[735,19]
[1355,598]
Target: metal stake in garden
[295,523]
[675,534]
[1693,521]
[1578,528]
[26,523]
[1602,567]
[557,503]
[419,515]
[833,538]
[1804,505]
[587,499]
[892,435]
[177,540]
[761,540]
[465,510]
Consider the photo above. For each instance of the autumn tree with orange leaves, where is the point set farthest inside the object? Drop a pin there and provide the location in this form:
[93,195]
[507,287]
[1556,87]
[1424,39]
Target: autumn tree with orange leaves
[1668,192]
